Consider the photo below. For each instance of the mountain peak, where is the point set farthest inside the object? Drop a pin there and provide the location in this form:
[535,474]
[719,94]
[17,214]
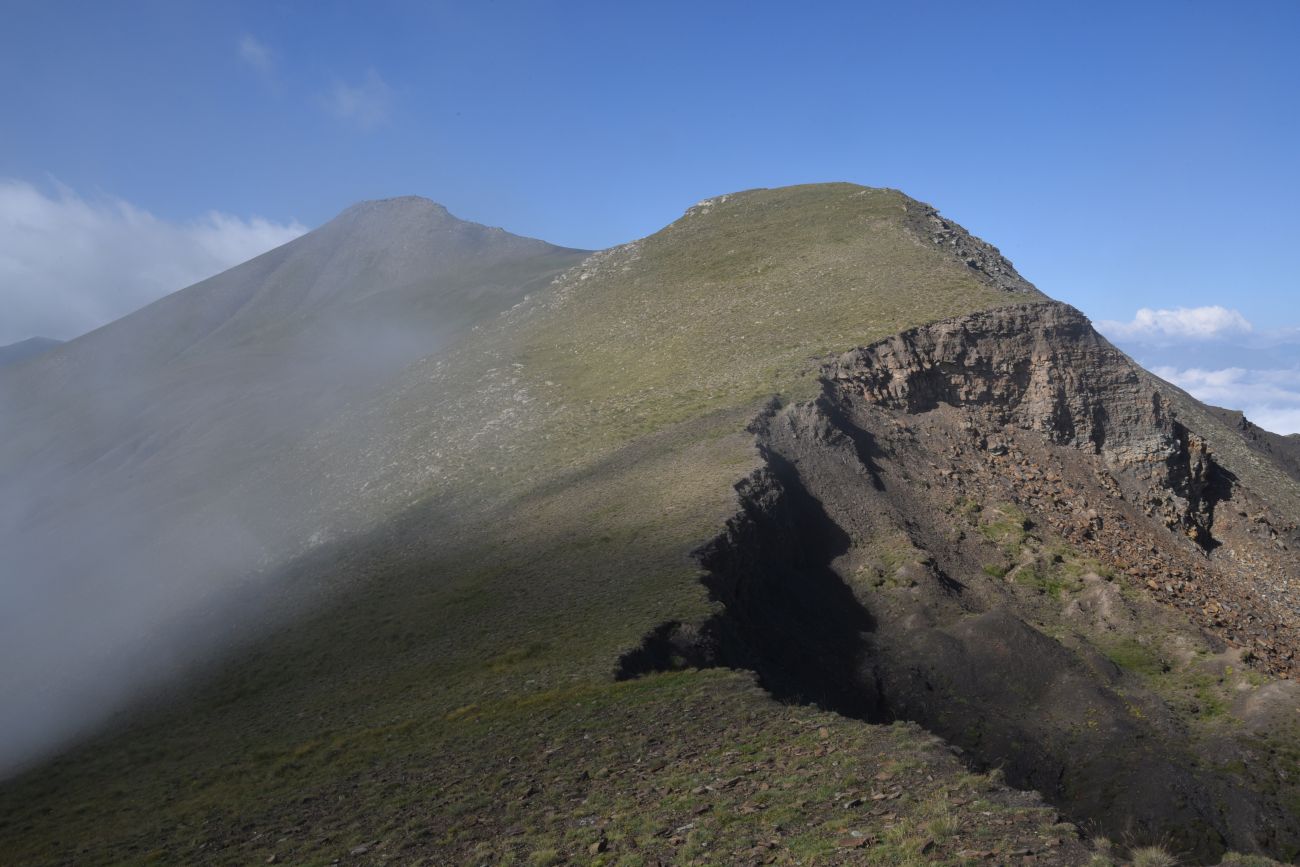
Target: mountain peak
[382,220]
[406,205]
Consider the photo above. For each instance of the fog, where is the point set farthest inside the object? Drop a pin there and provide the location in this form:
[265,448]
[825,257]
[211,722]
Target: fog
[154,474]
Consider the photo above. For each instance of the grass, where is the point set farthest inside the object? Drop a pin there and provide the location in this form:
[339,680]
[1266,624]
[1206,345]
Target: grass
[1046,579]
[1152,856]
[1007,525]
[1236,859]
[1132,655]
[1205,693]
[1054,569]
[892,562]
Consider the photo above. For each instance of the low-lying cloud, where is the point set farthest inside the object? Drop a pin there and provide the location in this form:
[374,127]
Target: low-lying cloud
[1220,357]
[69,263]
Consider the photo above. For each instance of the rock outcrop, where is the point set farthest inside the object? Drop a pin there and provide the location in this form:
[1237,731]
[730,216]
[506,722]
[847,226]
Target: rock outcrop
[1043,368]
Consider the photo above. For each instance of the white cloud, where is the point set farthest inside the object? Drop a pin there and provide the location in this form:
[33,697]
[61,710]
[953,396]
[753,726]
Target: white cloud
[256,54]
[1197,323]
[69,264]
[1283,421]
[1269,398]
[365,104]
[1219,357]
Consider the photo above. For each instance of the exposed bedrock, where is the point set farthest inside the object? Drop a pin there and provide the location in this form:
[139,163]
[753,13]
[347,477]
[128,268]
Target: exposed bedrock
[964,531]
[1042,367]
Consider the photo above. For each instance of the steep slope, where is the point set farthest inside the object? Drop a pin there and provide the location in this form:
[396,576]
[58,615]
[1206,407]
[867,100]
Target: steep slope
[23,350]
[534,496]
[1283,450]
[134,498]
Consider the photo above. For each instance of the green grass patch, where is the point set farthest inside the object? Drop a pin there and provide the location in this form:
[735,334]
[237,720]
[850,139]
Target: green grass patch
[1046,579]
[1136,657]
[1006,525]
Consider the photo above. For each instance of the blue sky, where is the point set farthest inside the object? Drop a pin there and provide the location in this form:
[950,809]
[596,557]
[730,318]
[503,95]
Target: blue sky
[1123,155]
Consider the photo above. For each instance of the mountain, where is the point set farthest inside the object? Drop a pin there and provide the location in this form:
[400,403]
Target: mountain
[13,353]
[135,459]
[793,532]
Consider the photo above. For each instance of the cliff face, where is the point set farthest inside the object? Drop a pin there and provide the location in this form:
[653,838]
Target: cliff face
[1001,528]
[1043,369]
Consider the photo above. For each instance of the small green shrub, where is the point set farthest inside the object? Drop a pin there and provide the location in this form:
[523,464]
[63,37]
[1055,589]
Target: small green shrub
[1152,856]
[1008,526]
[1236,859]
[1046,580]
[544,858]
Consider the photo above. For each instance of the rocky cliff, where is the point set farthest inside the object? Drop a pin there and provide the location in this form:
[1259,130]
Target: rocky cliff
[999,527]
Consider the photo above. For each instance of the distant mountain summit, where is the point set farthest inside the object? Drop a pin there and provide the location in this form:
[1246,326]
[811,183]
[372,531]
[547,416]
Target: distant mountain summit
[14,353]
[404,264]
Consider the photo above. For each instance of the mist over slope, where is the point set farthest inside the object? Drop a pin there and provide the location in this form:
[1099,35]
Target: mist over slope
[23,350]
[133,459]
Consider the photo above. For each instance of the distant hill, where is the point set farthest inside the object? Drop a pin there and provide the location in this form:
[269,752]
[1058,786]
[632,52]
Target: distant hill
[799,531]
[25,349]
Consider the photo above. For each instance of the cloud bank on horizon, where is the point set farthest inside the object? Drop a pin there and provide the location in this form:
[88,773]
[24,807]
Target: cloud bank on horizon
[1220,357]
[69,264]
[1197,323]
